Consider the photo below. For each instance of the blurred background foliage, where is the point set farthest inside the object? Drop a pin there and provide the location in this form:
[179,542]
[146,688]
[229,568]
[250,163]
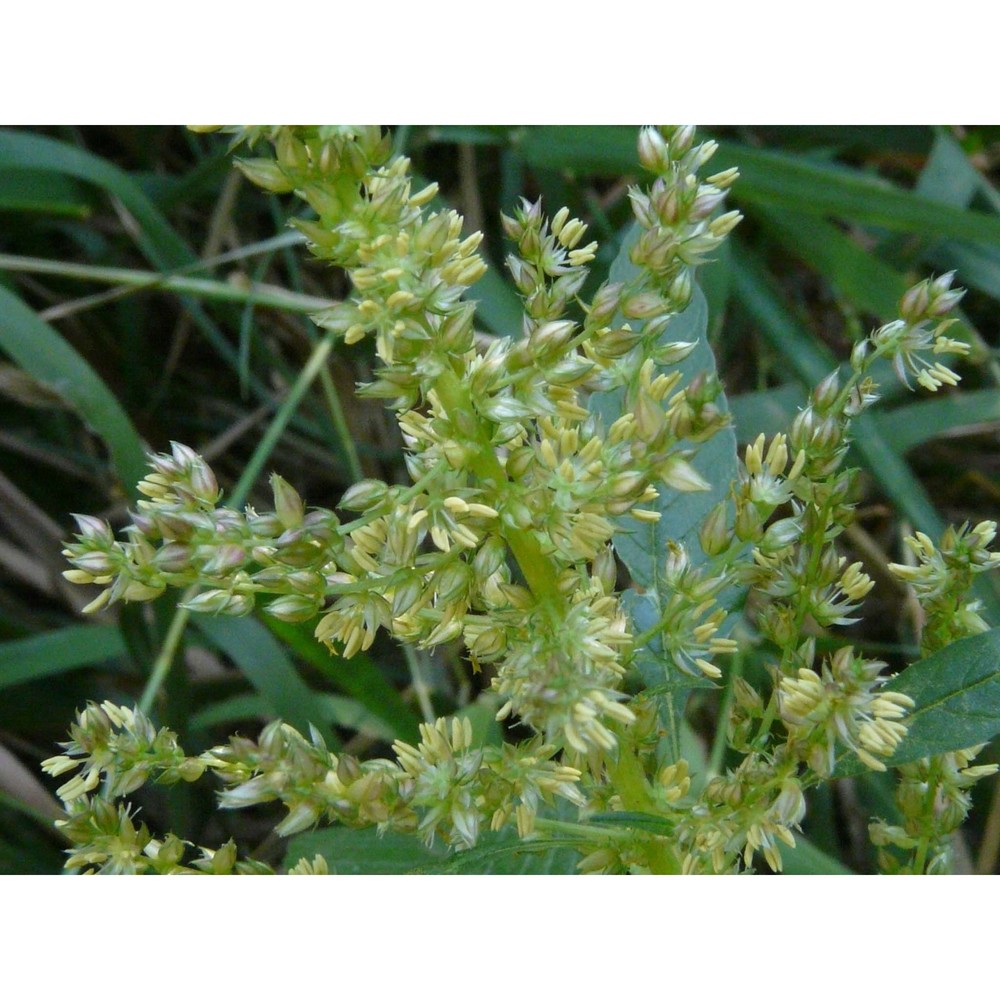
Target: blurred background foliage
[148,294]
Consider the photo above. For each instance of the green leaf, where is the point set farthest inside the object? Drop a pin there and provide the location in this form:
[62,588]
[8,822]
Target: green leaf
[957,691]
[158,240]
[772,179]
[43,192]
[957,695]
[362,852]
[949,178]
[360,677]
[862,279]
[807,859]
[505,854]
[909,426]
[42,352]
[643,547]
[649,822]
[265,664]
[344,713]
[28,151]
[58,651]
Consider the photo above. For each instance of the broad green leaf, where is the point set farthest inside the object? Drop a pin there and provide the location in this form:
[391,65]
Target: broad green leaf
[643,547]
[362,852]
[957,691]
[957,695]
[265,664]
[43,353]
[504,854]
[56,652]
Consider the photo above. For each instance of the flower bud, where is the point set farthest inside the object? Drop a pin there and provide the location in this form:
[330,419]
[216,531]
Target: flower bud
[654,153]
[364,495]
[287,503]
[604,305]
[294,608]
[715,534]
[266,174]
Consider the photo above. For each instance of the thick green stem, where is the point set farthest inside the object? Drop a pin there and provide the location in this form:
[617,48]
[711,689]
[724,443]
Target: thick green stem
[629,781]
[538,570]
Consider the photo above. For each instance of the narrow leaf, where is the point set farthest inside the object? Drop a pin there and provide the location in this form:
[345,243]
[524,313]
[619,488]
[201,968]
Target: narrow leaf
[265,664]
[57,652]
[359,677]
[43,353]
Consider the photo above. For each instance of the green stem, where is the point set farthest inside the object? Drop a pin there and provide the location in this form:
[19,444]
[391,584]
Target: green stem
[928,833]
[538,570]
[175,631]
[344,437]
[582,831]
[420,687]
[164,661]
[721,739]
[135,280]
[281,418]
[629,781]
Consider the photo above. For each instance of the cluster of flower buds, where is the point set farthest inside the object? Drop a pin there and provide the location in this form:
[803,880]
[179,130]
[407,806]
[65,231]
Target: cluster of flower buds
[120,748]
[844,702]
[445,786]
[747,811]
[106,840]
[510,468]
[179,537]
[942,577]
[921,329]
[934,798]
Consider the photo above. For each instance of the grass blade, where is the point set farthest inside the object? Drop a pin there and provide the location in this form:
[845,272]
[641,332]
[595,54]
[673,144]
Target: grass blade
[57,652]
[42,352]
[264,663]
